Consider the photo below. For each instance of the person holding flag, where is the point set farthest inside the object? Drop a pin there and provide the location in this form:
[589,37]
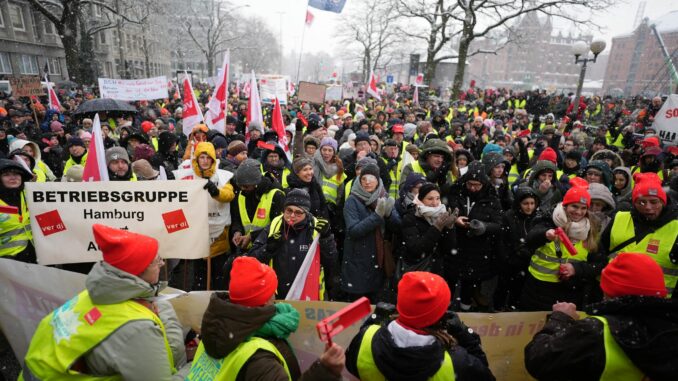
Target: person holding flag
[286,242]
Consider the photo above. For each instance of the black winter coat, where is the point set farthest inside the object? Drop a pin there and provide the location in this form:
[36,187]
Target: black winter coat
[423,240]
[646,328]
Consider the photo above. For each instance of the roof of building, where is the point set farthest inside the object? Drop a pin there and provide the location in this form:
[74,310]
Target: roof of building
[667,23]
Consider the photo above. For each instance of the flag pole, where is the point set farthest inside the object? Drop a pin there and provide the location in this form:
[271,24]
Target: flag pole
[301,49]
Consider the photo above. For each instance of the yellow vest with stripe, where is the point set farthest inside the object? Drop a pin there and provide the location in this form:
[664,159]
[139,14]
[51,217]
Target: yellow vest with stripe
[71,331]
[70,162]
[545,264]
[205,367]
[347,189]
[331,186]
[262,216]
[15,231]
[614,142]
[636,169]
[367,368]
[657,245]
[618,366]
[283,181]
[417,168]
[513,175]
[395,175]
[276,224]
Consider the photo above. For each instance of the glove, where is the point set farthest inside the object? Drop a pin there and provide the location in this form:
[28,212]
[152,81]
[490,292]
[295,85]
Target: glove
[211,188]
[381,207]
[388,206]
[476,228]
[299,125]
[445,220]
[322,227]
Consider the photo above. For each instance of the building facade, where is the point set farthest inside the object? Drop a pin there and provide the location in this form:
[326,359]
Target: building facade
[533,56]
[637,64]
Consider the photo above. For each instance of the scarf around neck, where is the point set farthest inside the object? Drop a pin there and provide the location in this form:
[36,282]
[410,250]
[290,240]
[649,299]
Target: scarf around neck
[430,214]
[577,231]
[323,169]
[281,325]
[366,197]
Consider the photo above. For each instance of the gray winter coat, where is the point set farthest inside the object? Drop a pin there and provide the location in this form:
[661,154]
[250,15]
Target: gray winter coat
[136,351]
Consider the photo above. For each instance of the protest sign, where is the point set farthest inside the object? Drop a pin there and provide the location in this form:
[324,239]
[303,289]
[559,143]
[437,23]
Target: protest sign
[272,86]
[25,86]
[62,214]
[666,121]
[30,292]
[133,89]
[351,90]
[333,93]
[311,92]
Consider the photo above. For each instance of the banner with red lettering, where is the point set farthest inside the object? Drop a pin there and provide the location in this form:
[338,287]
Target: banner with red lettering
[62,214]
[666,121]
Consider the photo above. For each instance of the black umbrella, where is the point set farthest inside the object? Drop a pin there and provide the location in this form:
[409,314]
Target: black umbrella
[104,105]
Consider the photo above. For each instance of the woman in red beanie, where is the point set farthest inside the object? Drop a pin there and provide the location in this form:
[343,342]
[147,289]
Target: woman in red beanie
[555,274]
[424,341]
[631,335]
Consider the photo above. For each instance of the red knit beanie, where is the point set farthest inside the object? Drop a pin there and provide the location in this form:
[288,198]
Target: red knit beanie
[252,282]
[127,251]
[579,182]
[549,154]
[423,298]
[577,194]
[648,185]
[633,274]
[147,126]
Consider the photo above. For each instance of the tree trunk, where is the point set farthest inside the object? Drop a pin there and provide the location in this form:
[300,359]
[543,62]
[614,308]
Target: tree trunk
[210,66]
[147,65]
[69,39]
[429,70]
[464,44]
[88,69]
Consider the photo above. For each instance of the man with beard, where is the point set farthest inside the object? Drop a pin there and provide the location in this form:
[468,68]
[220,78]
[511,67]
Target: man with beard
[118,164]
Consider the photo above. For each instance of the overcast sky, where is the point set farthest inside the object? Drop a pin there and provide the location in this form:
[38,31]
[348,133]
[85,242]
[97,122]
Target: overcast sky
[289,15]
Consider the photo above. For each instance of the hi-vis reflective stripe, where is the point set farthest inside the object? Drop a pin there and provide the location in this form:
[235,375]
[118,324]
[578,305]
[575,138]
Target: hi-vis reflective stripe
[543,269]
[331,197]
[14,232]
[15,244]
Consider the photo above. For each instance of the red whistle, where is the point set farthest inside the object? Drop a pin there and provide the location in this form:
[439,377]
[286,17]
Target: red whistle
[565,240]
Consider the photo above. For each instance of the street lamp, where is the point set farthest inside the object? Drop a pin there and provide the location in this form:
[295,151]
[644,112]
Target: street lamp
[579,49]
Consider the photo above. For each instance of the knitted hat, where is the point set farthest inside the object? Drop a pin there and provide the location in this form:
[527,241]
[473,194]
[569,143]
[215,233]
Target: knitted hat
[248,173]
[143,151]
[370,169]
[574,155]
[125,250]
[362,163]
[602,193]
[219,142]
[362,136]
[633,274]
[648,185]
[390,143]
[299,198]
[147,126]
[329,142]
[423,299]
[142,168]
[398,129]
[75,141]
[427,188]
[252,282]
[115,153]
[255,125]
[56,126]
[577,194]
[578,182]
[235,147]
[73,174]
[299,164]
[549,154]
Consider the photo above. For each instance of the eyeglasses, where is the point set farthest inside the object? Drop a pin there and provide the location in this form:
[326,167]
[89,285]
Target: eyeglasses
[295,212]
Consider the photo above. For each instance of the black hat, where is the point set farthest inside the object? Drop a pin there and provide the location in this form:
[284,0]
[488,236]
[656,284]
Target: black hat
[362,136]
[299,198]
[370,169]
[219,142]
[390,143]
[427,188]
[574,155]
[7,165]
[75,141]
[231,120]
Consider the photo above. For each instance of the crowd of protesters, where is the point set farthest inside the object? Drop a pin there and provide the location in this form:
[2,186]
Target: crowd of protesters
[490,192]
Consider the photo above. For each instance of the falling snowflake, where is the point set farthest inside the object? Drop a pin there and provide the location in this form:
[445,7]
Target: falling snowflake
[65,322]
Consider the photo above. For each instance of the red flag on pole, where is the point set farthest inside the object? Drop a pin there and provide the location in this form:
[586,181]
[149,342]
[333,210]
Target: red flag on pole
[278,125]
[254,106]
[216,112]
[191,114]
[95,166]
[309,18]
[372,87]
[306,285]
[54,103]
[415,97]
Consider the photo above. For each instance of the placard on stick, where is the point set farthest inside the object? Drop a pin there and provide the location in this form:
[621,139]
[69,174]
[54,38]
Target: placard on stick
[311,92]
[26,86]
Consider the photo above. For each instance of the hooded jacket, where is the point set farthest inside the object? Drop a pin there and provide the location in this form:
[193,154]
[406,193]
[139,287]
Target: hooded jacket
[491,160]
[646,329]
[225,325]
[19,144]
[284,163]
[165,157]
[554,195]
[136,351]
[515,226]
[623,196]
[441,176]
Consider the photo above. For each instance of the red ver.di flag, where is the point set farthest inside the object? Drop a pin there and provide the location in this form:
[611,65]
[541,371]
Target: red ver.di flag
[306,285]
[192,115]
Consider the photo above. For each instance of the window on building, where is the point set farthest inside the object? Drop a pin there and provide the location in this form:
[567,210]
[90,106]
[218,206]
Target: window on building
[102,37]
[28,64]
[34,25]
[96,9]
[2,19]
[48,27]
[5,65]
[53,66]
[16,14]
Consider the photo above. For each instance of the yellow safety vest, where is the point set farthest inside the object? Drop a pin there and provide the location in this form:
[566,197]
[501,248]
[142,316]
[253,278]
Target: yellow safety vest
[154,142]
[367,368]
[657,245]
[71,331]
[347,189]
[285,173]
[618,366]
[545,264]
[15,232]
[205,367]
[636,169]
[513,175]
[262,217]
[70,162]
[276,224]
[416,168]
[395,175]
[614,142]
[331,186]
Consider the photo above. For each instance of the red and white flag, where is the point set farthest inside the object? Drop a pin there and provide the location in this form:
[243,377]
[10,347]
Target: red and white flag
[415,97]
[306,285]
[246,90]
[290,88]
[419,80]
[95,166]
[372,87]
[192,115]
[309,18]
[278,125]
[54,103]
[216,108]
[254,106]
